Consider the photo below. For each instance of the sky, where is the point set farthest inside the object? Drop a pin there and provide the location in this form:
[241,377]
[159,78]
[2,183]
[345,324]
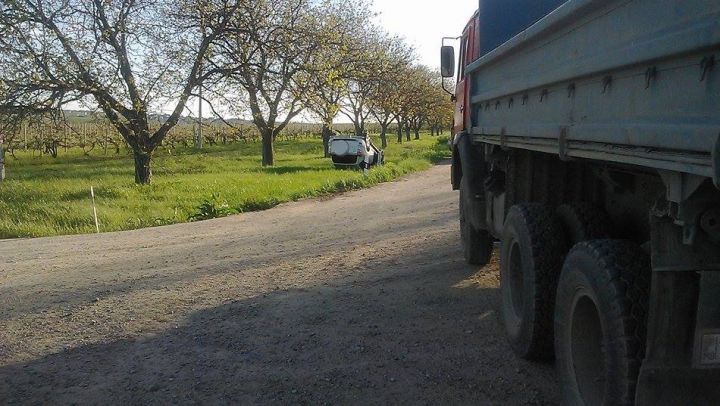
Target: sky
[425,23]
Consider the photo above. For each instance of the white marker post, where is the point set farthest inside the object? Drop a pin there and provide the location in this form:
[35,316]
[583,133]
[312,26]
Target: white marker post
[92,195]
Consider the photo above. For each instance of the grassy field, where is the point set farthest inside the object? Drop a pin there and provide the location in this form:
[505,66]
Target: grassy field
[45,196]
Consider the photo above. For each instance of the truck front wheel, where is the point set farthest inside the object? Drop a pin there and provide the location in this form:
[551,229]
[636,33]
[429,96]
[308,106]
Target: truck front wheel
[531,256]
[477,245]
[600,322]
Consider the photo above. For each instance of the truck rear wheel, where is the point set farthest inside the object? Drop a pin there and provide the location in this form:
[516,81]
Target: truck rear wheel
[531,256]
[600,322]
[477,245]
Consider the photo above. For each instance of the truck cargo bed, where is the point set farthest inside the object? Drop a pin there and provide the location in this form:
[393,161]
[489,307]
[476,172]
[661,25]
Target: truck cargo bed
[620,81]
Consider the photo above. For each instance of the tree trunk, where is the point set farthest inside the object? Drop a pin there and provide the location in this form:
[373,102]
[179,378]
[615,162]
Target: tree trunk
[143,172]
[399,132]
[268,152]
[326,134]
[407,131]
[198,137]
[383,135]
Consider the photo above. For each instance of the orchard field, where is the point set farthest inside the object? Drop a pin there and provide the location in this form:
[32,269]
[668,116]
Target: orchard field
[45,195]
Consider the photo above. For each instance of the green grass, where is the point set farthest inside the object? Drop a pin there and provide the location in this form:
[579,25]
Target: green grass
[43,196]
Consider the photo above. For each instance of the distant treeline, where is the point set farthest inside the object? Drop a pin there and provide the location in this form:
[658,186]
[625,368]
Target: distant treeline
[51,137]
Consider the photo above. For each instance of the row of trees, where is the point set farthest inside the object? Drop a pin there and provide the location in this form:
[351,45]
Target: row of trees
[49,136]
[269,60]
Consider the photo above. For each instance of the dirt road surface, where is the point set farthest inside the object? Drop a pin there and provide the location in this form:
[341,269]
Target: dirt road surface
[362,298]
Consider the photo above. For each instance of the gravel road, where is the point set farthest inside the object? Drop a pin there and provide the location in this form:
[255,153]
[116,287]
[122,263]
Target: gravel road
[362,298]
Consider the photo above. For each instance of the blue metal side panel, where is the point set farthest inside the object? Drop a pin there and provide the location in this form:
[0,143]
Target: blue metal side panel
[626,81]
[501,20]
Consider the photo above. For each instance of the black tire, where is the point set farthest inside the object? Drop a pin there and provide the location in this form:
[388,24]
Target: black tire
[601,322]
[477,245]
[583,222]
[531,256]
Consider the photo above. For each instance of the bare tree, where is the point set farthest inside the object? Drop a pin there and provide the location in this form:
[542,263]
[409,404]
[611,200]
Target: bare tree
[266,46]
[127,57]
[276,52]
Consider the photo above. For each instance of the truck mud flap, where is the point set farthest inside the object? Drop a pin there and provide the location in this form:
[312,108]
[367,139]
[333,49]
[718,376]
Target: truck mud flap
[682,362]
[474,170]
[682,366]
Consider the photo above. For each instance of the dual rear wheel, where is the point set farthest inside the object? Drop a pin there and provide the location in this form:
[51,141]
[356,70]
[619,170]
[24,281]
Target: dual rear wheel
[600,322]
[569,292]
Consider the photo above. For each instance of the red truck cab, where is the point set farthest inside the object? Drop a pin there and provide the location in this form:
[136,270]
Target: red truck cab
[468,53]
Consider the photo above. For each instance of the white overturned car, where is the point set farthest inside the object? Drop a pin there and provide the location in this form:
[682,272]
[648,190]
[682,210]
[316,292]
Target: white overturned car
[354,152]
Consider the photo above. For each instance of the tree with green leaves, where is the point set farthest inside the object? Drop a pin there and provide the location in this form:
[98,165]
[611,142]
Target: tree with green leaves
[281,56]
[442,109]
[323,100]
[343,32]
[422,91]
[386,98]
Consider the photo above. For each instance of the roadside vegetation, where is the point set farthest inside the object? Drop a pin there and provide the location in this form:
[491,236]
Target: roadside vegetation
[198,117]
[259,64]
[45,196]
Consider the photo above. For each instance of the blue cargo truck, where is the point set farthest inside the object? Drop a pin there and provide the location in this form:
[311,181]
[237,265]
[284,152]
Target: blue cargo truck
[587,140]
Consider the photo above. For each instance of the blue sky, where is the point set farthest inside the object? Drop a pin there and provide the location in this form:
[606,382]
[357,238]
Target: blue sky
[424,23]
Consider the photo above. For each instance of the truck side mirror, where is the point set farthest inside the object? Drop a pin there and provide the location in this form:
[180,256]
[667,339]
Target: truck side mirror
[447,61]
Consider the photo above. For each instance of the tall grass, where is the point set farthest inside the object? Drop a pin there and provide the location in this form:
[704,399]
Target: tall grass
[44,196]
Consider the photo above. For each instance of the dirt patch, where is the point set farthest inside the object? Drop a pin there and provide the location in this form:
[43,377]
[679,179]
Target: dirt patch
[360,299]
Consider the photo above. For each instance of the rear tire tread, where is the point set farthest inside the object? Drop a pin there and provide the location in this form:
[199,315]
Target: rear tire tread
[547,244]
[622,269]
[548,257]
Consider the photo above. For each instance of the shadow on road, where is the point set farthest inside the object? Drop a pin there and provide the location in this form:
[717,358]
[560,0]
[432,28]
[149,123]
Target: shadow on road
[409,333]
